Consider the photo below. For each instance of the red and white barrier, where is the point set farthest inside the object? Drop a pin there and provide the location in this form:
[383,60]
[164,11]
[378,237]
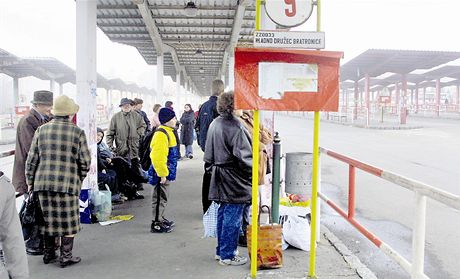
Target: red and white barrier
[422,191]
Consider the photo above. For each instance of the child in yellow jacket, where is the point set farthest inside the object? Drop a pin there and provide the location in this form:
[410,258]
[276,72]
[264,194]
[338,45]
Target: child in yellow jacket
[164,155]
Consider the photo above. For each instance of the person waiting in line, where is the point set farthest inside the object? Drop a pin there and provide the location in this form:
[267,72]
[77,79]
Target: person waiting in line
[163,170]
[169,105]
[11,240]
[228,154]
[155,122]
[208,112]
[39,114]
[105,174]
[58,162]
[265,138]
[186,131]
[138,104]
[123,136]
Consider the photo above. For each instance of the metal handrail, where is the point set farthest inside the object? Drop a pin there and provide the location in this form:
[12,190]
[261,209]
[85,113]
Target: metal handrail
[421,190]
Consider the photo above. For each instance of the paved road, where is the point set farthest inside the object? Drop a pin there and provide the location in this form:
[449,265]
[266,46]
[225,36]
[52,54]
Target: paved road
[429,155]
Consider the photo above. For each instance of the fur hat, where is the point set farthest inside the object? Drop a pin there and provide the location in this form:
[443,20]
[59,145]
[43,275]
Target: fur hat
[165,115]
[64,106]
[126,101]
[43,97]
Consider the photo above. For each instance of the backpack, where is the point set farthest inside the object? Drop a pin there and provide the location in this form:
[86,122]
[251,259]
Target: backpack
[144,148]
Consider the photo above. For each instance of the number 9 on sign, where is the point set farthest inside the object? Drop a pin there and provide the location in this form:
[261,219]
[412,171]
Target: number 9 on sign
[289,13]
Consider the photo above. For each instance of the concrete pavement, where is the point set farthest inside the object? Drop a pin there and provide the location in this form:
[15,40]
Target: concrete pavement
[129,250]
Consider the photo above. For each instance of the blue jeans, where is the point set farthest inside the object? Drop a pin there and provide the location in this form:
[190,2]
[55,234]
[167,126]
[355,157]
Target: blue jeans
[188,150]
[229,219]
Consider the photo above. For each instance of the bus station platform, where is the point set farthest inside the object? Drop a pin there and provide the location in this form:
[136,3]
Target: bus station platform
[128,249]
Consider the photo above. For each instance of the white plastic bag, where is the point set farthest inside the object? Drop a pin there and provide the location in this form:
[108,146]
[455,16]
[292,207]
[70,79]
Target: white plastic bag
[102,204]
[296,232]
[210,220]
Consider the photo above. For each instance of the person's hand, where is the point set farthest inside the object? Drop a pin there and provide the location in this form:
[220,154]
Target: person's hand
[163,180]
[109,160]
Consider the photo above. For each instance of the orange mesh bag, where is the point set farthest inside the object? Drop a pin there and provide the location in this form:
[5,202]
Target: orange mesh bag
[269,248]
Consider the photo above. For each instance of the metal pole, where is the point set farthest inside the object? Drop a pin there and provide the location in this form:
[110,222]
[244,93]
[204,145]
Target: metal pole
[276,178]
[351,192]
[255,173]
[314,190]
[418,240]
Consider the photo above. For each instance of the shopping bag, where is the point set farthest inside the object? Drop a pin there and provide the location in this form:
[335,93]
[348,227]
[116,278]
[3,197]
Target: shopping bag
[210,220]
[101,201]
[85,209]
[269,250]
[31,212]
[296,231]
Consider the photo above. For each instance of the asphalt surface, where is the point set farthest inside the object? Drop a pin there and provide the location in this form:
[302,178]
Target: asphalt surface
[129,250]
[429,154]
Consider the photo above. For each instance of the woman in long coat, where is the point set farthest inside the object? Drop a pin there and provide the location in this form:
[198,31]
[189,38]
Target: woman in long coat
[57,164]
[186,132]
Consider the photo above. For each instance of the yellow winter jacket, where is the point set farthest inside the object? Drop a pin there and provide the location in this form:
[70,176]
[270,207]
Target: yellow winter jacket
[160,149]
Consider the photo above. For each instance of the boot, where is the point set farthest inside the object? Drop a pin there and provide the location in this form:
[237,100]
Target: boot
[49,251]
[66,252]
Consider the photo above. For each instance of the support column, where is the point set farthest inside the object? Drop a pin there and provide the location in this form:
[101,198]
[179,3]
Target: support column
[160,93]
[438,96]
[397,96]
[15,100]
[367,99]
[178,104]
[52,85]
[416,98]
[109,103]
[355,105]
[458,98]
[403,113]
[61,88]
[424,96]
[86,80]
[231,72]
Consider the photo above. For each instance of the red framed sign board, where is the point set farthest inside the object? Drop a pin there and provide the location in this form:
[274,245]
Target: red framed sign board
[286,80]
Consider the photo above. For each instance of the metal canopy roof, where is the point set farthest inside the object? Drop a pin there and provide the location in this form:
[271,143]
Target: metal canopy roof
[446,71]
[47,68]
[160,27]
[376,62]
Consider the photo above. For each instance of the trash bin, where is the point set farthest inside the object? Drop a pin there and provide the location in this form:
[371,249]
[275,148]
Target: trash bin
[298,173]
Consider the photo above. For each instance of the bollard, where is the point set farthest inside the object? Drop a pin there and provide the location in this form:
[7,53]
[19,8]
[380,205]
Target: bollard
[276,181]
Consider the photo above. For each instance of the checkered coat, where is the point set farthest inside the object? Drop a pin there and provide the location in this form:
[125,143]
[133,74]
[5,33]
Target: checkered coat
[59,158]
[58,161]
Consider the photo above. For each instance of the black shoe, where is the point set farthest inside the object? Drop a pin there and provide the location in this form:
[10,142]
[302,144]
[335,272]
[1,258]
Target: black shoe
[160,227]
[190,156]
[168,222]
[34,251]
[242,241]
[138,196]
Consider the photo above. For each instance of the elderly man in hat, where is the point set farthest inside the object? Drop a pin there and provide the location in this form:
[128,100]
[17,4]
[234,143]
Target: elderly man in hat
[125,131]
[58,162]
[39,114]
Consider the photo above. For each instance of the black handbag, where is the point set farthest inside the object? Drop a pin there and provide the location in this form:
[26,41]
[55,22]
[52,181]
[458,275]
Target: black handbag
[31,212]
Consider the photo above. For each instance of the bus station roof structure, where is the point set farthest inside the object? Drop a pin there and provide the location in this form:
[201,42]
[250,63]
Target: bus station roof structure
[195,38]
[48,68]
[376,62]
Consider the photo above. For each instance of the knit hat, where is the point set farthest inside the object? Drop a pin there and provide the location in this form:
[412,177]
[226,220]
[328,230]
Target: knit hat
[64,106]
[43,97]
[165,115]
[126,101]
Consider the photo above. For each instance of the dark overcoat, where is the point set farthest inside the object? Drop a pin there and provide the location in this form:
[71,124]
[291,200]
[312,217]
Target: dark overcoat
[186,131]
[228,151]
[25,132]
[208,112]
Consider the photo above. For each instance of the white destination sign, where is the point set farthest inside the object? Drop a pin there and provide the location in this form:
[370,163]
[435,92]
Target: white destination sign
[309,40]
